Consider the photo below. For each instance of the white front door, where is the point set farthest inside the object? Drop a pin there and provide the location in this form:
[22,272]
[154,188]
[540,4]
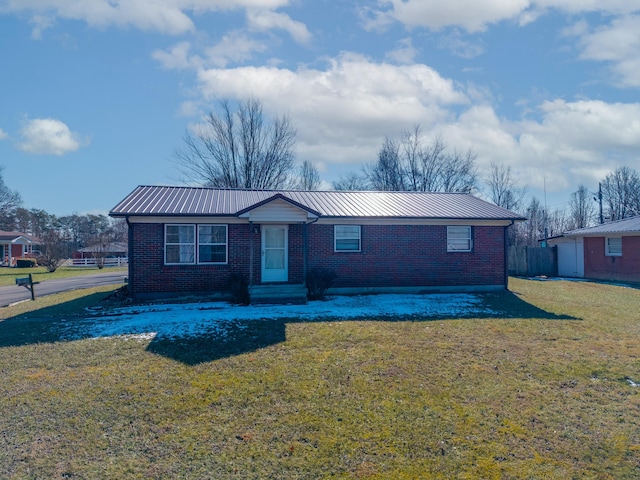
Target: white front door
[275,247]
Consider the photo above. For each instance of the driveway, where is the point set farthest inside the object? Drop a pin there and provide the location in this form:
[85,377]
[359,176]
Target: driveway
[15,293]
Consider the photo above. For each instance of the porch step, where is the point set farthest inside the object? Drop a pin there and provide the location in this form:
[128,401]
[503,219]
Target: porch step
[281,293]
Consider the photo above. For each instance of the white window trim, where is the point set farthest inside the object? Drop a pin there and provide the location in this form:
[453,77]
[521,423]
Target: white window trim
[607,252]
[195,253]
[226,243]
[335,239]
[451,248]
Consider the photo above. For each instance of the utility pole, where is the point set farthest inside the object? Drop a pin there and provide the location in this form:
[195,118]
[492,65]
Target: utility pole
[600,201]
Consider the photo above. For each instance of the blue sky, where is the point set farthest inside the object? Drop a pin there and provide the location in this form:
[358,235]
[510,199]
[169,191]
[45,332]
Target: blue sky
[95,96]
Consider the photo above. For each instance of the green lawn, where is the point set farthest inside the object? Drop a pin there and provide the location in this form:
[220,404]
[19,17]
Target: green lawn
[539,390]
[8,275]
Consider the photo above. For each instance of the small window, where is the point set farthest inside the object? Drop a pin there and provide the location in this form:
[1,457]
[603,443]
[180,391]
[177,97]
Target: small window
[212,244]
[613,246]
[459,239]
[347,238]
[179,244]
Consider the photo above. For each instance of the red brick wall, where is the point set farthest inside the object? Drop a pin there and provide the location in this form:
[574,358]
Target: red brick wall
[149,274]
[391,256]
[409,255]
[600,266]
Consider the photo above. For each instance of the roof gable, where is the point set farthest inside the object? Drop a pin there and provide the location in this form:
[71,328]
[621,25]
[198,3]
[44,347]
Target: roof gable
[17,238]
[278,208]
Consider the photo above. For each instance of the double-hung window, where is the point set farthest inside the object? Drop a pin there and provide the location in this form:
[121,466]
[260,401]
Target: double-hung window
[613,246]
[179,244]
[212,244]
[459,239]
[188,244]
[347,238]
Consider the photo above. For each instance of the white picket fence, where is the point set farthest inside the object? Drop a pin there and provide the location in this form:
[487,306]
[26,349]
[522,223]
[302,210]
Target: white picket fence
[91,262]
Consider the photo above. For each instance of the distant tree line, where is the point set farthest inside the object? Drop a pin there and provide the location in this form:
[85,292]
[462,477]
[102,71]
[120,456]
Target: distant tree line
[61,235]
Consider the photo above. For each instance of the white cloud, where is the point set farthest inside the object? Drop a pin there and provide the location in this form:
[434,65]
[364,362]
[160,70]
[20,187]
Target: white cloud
[233,47]
[40,24]
[3,134]
[343,112]
[405,53]
[455,42]
[617,43]
[472,15]
[48,136]
[265,20]
[612,7]
[165,16]
[177,58]
[476,15]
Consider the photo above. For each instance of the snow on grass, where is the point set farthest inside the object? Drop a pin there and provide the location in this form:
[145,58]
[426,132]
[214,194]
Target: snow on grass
[186,320]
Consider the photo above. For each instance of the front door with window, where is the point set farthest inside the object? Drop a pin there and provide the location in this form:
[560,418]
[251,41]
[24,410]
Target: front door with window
[275,247]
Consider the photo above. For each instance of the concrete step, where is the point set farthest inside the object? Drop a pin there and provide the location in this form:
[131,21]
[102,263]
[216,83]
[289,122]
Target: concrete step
[278,294]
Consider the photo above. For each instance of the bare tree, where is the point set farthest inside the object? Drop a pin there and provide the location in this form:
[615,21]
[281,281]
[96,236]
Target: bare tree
[351,182]
[52,250]
[407,164]
[504,191]
[557,222]
[582,209]
[308,177]
[9,201]
[239,149]
[621,193]
[388,172]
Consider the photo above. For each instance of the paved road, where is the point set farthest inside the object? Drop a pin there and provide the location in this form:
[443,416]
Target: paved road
[15,293]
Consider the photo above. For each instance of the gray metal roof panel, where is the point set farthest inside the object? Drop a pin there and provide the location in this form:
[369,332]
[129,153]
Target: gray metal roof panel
[162,200]
[626,225]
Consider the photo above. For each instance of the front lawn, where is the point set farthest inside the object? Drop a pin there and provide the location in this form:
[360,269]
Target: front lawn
[542,384]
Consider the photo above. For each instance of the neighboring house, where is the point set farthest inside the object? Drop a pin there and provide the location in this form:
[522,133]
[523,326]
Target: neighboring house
[185,240]
[15,245]
[111,249]
[610,251]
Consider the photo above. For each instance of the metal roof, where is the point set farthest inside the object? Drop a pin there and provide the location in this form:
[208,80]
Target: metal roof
[148,200]
[627,225]
[12,236]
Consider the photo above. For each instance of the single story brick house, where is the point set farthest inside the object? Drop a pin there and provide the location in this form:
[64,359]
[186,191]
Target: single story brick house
[14,246]
[610,251]
[185,240]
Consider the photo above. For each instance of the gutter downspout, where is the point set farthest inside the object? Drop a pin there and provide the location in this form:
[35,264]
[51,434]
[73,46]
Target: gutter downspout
[130,253]
[305,249]
[250,253]
[506,257]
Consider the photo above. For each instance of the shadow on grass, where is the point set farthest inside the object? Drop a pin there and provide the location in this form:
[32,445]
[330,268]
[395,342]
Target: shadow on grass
[511,305]
[47,324]
[242,337]
[54,324]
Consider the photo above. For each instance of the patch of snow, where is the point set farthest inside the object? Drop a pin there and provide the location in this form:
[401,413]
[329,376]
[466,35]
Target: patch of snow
[220,318]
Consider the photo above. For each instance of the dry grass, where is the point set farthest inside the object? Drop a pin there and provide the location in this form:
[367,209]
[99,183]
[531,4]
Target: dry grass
[540,391]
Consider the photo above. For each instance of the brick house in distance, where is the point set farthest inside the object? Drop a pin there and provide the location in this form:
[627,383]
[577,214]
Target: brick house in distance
[610,251]
[186,240]
[15,246]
